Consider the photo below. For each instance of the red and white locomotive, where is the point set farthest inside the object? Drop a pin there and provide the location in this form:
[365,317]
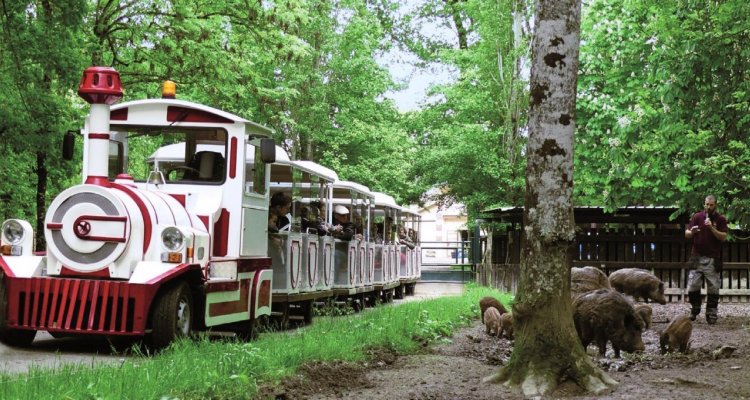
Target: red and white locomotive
[168,233]
[153,257]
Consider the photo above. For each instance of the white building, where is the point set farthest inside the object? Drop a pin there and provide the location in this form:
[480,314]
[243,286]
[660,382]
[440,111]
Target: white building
[440,230]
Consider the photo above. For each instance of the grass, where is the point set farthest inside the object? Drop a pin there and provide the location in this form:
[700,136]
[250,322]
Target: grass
[205,369]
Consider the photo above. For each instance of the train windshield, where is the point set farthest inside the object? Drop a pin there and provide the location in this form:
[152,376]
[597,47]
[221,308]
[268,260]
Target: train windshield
[179,155]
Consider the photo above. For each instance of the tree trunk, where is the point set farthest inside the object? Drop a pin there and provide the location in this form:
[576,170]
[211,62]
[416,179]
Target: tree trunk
[41,198]
[547,349]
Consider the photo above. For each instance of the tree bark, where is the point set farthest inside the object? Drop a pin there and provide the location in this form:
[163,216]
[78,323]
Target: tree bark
[41,198]
[547,349]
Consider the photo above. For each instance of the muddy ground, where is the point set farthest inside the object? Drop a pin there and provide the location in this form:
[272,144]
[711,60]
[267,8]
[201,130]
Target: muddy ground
[454,370]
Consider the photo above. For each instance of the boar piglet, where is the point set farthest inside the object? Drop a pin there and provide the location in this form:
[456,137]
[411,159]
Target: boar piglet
[645,312]
[677,335]
[492,324]
[638,283]
[605,315]
[487,302]
[586,279]
[506,325]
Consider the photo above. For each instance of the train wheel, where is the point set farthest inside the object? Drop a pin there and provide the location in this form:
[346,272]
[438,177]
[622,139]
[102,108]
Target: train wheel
[172,315]
[12,337]
[356,303]
[399,291]
[247,330]
[307,311]
[389,296]
[280,316]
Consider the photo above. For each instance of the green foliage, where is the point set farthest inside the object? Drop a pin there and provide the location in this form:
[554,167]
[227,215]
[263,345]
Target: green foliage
[663,105]
[40,62]
[471,141]
[305,68]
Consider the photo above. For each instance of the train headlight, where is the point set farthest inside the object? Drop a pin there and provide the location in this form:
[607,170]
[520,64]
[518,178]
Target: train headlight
[172,239]
[17,238]
[13,232]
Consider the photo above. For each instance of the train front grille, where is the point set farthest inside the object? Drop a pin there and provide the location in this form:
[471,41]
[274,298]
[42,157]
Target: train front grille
[73,305]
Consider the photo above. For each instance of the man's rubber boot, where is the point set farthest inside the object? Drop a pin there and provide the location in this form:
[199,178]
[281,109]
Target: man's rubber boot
[712,308]
[695,302]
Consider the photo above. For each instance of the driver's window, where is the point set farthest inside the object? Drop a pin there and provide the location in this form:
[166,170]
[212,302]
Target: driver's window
[182,155]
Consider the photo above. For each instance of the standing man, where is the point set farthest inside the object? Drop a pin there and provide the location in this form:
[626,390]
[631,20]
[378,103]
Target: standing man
[708,229]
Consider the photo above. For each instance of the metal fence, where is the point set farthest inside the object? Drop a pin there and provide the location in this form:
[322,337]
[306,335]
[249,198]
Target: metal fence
[664,251]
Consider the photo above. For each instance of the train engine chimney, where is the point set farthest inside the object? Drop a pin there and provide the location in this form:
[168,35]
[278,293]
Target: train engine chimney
[100,87]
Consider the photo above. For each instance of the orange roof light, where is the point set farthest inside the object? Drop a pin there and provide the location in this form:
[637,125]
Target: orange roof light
[168,90]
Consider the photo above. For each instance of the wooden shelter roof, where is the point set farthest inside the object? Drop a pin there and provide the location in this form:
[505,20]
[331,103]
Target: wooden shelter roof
[592,214]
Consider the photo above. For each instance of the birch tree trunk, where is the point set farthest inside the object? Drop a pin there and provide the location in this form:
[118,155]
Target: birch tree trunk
[547,349]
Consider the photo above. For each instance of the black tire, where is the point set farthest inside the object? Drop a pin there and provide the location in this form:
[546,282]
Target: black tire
[171,315]
[307,311]
[247,330]
[399,292]
[12,337]
[356,303]
[389,296]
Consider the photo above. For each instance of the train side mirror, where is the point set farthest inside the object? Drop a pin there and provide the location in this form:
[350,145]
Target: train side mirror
[267,150]
[68,147]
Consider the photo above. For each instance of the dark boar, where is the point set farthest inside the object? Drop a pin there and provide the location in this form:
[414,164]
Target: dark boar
[487,302]
[638,283]
[506,326]
[606,315]
[492,324]
[586,279]
[645,312]
[677,335]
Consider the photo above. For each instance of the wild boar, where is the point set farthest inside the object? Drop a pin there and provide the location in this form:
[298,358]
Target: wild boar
[487,302]
[606,315]
[638,283]
[645,312]
[506,326]
[586,279]
[677,335]
[492,324]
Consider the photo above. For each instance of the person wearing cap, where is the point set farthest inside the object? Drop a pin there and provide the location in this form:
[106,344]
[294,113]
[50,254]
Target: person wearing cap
[341,227]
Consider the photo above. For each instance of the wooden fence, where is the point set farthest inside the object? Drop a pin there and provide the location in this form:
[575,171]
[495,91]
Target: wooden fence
[664,251]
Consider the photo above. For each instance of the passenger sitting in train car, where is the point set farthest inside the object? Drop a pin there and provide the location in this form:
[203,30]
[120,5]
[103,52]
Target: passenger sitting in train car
[378,232]
[413,235]
[312,219]
[280,205]
[341,227]
[272,220]
[359,229]
[403,238]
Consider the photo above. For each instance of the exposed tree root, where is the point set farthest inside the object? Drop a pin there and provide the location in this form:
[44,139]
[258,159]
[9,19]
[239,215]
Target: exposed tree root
[537,383]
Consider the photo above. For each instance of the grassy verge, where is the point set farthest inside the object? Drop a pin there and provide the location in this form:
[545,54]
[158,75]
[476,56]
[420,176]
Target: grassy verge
[203,369]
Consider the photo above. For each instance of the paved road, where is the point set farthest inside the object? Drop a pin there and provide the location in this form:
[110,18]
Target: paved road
[50,352]
[437,289]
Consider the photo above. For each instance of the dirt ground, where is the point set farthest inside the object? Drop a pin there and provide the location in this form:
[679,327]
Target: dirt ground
[455,370]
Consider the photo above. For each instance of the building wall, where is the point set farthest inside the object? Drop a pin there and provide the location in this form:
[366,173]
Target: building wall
[440,226]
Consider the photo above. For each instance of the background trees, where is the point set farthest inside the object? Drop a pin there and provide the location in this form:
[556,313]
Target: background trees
[663,110]
[40,63]
[661,117]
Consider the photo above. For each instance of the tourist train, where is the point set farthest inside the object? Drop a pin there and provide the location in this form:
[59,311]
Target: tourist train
[168,233]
